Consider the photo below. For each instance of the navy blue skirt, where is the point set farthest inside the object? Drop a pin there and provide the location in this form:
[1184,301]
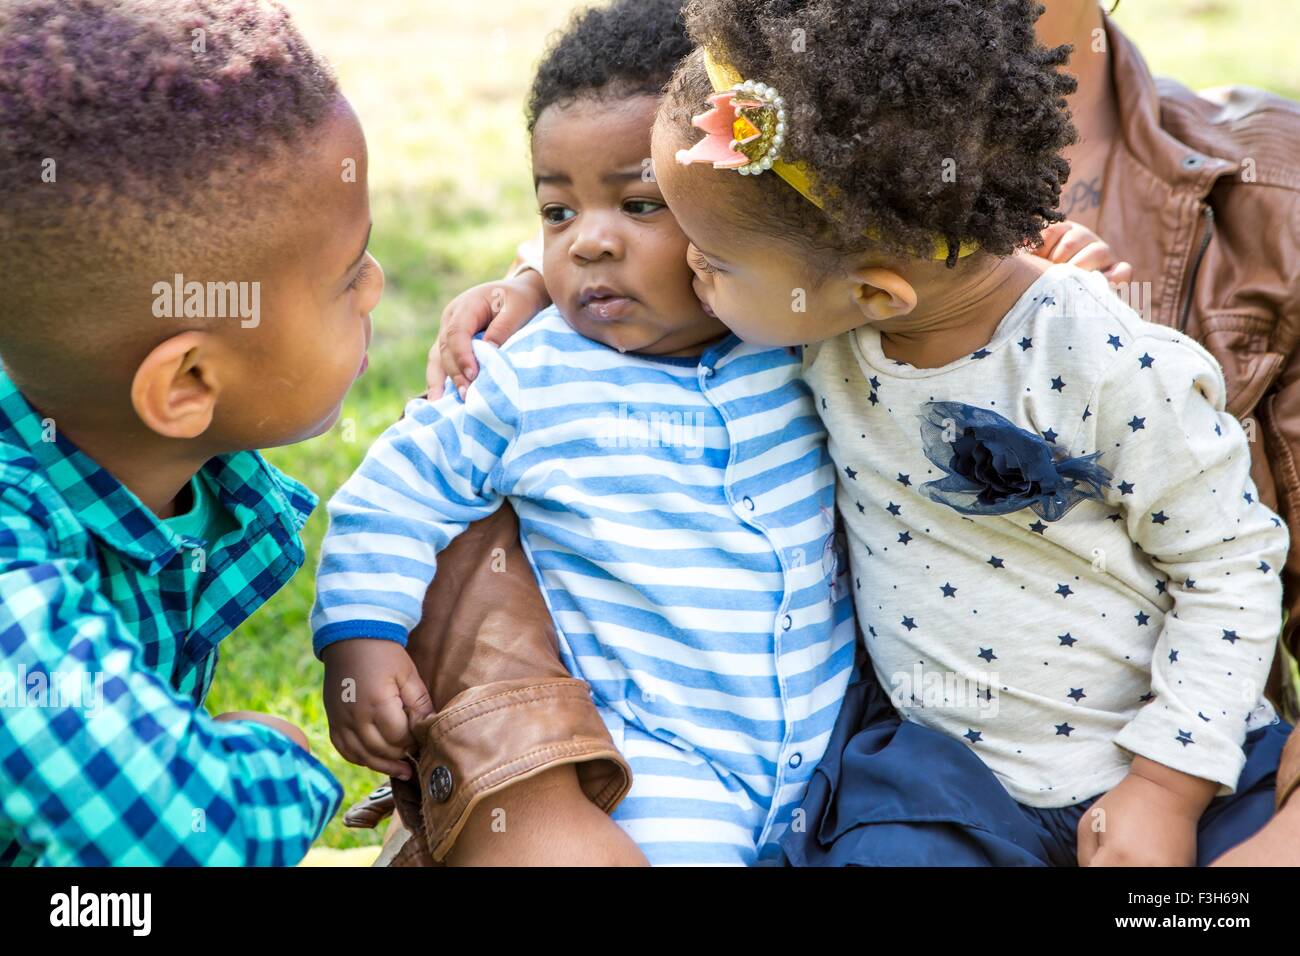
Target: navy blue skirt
[894,793]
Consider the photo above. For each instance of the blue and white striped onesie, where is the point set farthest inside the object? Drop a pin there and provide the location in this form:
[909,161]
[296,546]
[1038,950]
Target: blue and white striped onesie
[679,515]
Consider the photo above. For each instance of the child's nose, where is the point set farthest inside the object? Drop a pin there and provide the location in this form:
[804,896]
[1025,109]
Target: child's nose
[702,292]
[597,236]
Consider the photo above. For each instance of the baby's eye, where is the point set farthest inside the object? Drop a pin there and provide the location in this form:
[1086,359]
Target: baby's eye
[360,278]
[701,264]
[643,207]
[557,214]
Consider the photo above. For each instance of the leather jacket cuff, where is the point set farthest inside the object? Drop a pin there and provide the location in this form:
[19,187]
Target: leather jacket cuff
[491,737]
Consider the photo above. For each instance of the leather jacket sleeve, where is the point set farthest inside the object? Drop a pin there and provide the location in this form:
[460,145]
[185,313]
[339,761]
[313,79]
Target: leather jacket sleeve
[506,708]
[1282,428]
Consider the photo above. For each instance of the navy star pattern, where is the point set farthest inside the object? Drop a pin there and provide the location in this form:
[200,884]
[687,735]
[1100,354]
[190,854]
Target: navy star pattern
[889,496]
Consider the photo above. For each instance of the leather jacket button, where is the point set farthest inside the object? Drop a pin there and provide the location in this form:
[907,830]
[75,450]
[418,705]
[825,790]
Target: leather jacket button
[440,784]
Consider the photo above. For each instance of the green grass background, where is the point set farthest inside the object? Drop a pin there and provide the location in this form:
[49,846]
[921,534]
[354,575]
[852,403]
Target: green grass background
[439,86]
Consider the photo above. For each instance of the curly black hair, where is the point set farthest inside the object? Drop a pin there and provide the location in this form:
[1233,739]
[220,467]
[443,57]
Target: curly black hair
[920,119]
[626,48]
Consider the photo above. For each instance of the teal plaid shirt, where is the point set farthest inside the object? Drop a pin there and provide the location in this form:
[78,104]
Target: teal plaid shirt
[108,643]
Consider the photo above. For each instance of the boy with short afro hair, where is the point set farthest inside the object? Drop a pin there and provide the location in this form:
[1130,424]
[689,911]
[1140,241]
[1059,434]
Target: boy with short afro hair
[148,149]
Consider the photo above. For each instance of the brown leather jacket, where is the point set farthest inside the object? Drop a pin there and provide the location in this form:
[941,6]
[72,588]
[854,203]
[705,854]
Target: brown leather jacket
[506,708]
[1202,197]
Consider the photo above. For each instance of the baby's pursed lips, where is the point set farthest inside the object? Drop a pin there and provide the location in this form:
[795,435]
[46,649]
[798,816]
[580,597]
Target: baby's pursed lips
[596,293]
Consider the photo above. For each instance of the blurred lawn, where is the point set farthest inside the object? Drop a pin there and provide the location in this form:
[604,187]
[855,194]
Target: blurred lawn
[439,87]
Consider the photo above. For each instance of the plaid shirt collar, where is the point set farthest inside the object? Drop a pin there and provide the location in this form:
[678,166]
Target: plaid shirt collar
[262,499]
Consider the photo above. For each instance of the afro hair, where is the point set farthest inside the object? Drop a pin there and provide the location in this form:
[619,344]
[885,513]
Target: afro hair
[920,119]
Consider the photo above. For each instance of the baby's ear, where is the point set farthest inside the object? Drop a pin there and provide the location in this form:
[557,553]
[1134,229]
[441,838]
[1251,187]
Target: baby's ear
[881,294]
[176,386]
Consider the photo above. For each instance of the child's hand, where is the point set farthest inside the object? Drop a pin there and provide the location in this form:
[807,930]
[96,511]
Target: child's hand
[503,308]
[1149,819]
[292,731]
[1079,246]
[373,695]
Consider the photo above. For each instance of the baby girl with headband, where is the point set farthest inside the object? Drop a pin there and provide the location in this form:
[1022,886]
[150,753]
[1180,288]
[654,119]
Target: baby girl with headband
[1062,573]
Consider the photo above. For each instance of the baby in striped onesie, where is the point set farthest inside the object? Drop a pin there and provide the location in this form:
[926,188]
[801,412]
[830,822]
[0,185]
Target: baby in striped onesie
[674,491]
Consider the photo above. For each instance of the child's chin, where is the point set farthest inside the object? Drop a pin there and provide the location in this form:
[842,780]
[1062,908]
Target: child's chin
[305,432]
[620,336]
[328,423]
[607,334]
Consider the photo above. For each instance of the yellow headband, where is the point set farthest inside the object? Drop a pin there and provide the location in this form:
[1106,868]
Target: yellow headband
[723,78]
[800,178]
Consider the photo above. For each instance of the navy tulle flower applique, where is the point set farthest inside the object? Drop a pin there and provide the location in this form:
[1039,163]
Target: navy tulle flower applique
[995,467]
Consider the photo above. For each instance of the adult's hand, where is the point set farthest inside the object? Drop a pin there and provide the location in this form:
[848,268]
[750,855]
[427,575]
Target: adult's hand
[1069,242]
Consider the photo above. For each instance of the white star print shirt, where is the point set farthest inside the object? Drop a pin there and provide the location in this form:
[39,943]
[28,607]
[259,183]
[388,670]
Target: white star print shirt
[1057,548]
